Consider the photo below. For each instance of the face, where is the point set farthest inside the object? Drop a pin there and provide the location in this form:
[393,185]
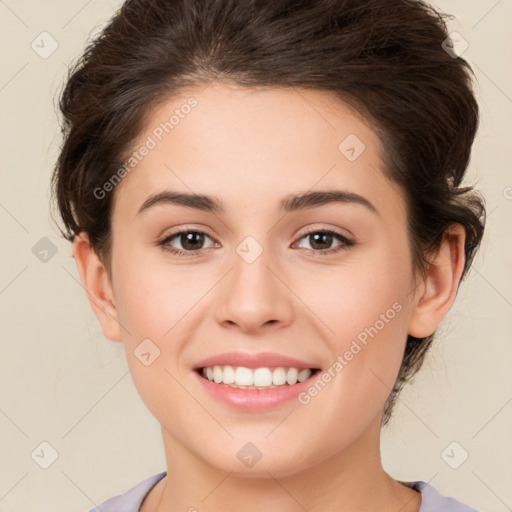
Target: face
[326,281]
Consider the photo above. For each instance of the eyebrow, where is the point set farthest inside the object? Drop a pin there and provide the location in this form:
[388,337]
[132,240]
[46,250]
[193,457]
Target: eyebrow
[292,203]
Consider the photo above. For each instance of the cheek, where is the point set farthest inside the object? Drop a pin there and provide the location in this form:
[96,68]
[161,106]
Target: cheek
[157,306]
[153,300]
[366,309]
[364,299]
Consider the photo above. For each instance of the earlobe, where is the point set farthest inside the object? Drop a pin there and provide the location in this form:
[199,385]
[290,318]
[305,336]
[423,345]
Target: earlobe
[97,285]
[437,293]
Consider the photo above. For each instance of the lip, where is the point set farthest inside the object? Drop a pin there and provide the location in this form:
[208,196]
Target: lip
[254,400]
[262,359]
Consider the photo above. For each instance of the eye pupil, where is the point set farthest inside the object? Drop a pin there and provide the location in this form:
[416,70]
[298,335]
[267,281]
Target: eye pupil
[321,238]
[192,240]
[321,242]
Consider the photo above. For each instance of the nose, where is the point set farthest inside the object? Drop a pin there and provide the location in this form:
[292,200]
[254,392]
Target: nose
[253,297]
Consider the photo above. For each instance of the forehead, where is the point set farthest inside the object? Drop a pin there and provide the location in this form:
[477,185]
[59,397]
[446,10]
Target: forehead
[257,144]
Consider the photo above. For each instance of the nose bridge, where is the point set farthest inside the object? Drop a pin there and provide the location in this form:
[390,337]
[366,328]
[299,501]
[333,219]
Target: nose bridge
[252,264]
[252,278]
[252,295]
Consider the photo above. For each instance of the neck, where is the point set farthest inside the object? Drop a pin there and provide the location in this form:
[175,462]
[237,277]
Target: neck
[351,479]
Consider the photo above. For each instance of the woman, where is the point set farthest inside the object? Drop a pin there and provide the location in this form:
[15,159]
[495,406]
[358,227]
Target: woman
[266,209]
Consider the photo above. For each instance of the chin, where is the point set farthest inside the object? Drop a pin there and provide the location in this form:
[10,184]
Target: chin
[249,463]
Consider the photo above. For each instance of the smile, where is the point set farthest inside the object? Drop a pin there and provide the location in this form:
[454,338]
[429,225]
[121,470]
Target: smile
[241,377]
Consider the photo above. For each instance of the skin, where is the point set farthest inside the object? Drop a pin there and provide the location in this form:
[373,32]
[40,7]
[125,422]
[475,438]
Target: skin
[250,148]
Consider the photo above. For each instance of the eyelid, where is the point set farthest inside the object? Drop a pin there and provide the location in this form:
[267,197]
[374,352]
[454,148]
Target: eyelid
[186,227]
[325,227]
[346,242]
[304,231]
[162,241]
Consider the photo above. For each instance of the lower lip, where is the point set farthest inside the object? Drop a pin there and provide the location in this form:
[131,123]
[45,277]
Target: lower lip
[254,399]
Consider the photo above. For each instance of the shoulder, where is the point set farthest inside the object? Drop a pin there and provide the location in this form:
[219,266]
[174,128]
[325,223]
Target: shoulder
[433,501]
[131,500]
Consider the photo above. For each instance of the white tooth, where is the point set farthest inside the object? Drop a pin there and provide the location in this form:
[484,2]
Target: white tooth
[217,374]
[229,375]
[244,376]
[304,374]
[262,377]
[248,378]
[291,376]
[279,376]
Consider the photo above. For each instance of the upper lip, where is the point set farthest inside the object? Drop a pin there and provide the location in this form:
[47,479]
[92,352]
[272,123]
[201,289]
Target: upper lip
[262,359]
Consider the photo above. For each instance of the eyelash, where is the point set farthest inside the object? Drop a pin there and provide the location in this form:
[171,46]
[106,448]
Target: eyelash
[346,242]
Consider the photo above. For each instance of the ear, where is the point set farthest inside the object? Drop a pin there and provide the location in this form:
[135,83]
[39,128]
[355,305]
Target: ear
[437,292]
[96,282]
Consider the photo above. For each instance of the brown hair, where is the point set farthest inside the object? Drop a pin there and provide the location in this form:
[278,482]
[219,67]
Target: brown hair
[384,57]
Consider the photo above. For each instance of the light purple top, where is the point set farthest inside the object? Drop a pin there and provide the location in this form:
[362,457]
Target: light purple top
[131,500]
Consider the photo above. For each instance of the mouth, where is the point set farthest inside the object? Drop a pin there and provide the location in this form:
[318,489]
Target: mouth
[262,378]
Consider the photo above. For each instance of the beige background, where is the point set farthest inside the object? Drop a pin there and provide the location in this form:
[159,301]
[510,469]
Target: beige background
[64,384]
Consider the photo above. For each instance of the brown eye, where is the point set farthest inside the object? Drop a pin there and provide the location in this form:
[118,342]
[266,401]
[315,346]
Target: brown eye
[321,241]
[189,242]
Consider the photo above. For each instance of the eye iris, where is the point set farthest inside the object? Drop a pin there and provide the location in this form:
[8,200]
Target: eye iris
[319,239]
[191,240]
